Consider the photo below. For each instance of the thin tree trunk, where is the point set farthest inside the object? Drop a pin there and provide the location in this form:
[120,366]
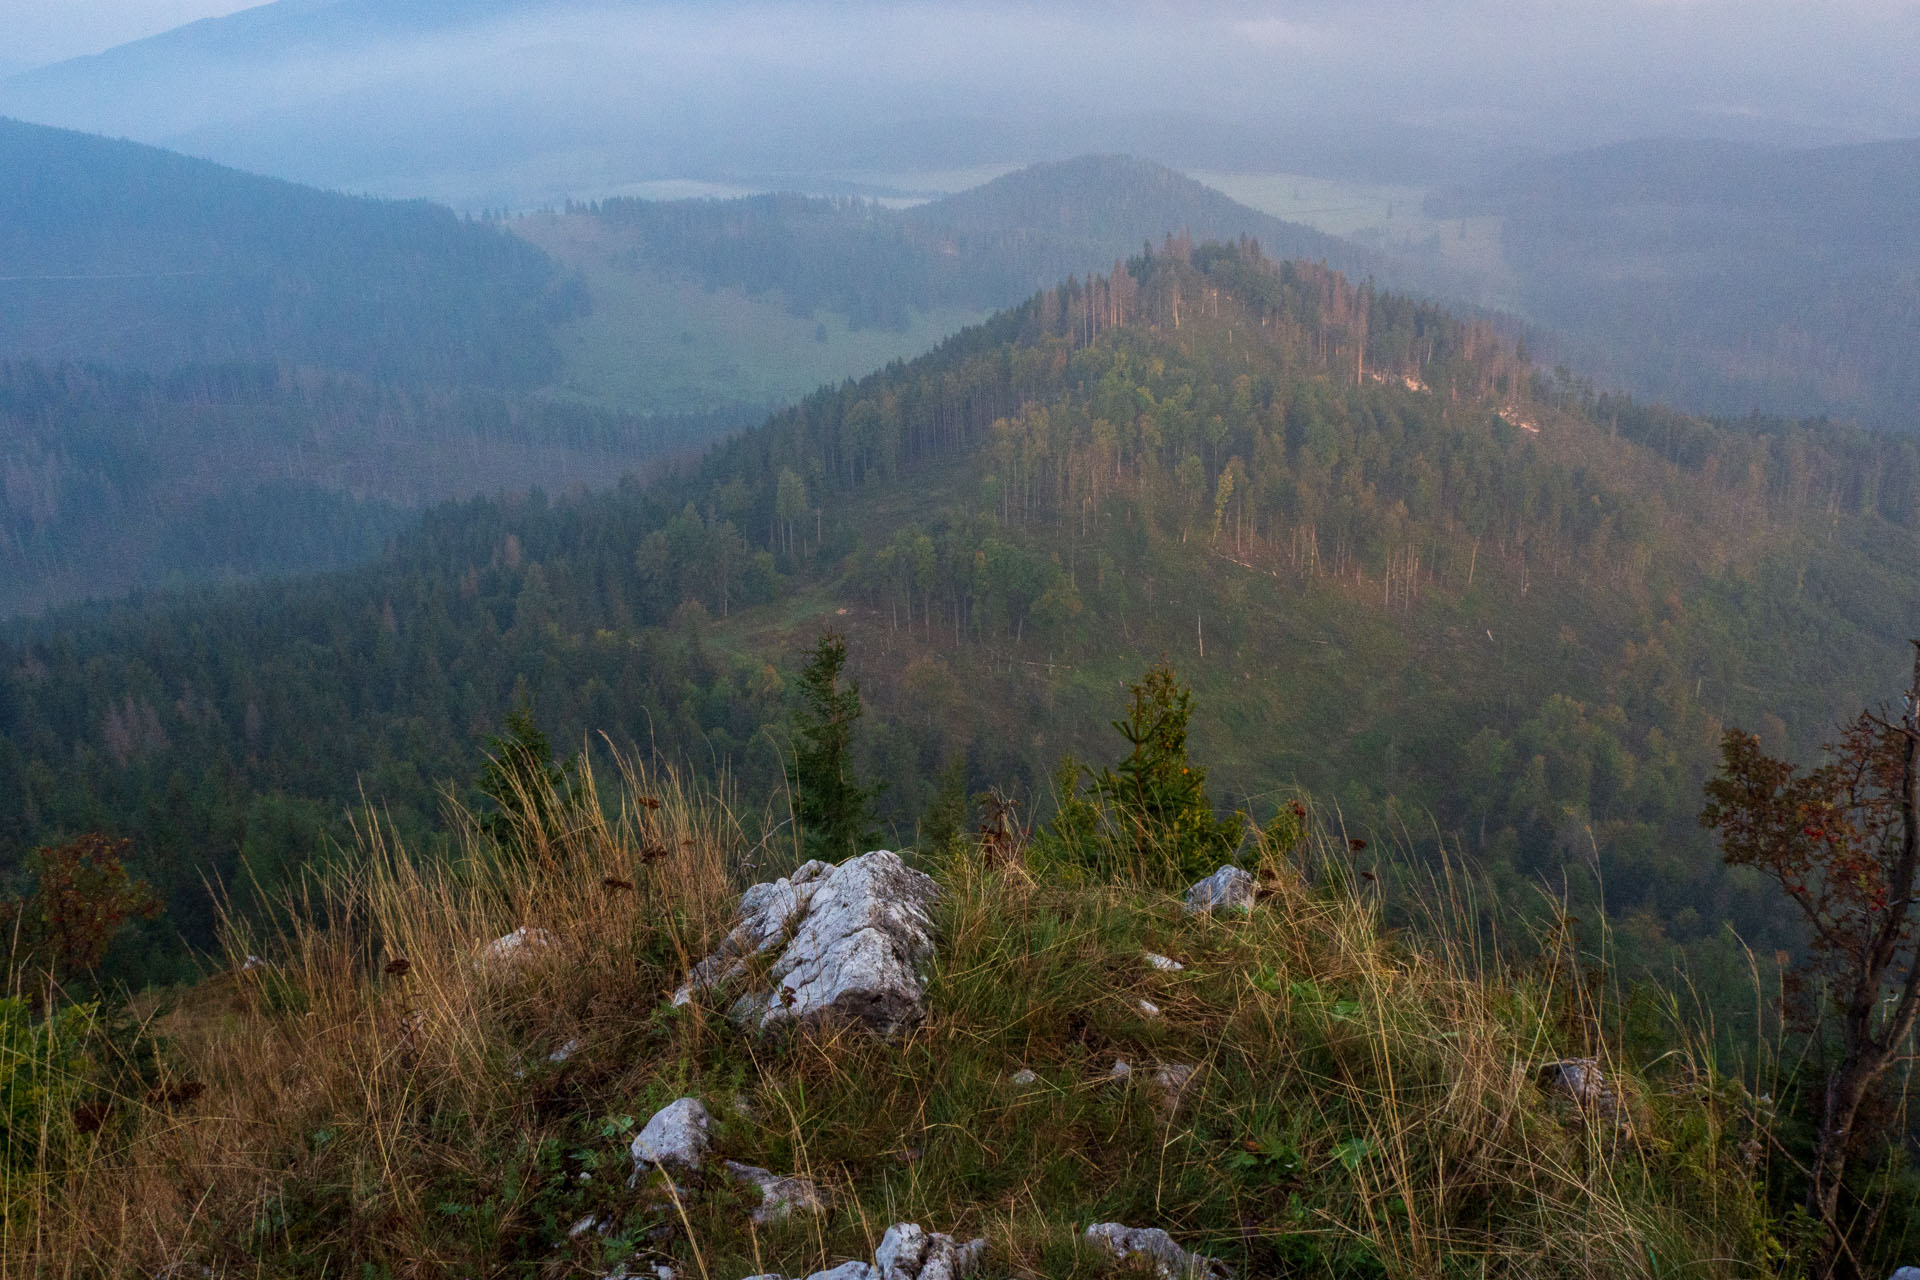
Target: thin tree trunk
[1865,1056]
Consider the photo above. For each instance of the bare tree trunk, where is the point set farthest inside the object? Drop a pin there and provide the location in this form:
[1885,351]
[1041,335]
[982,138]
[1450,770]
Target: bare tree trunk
[1864,1055]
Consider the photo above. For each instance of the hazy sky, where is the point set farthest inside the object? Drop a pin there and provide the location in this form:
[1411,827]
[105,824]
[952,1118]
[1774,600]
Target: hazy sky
[47,30]
[598,92]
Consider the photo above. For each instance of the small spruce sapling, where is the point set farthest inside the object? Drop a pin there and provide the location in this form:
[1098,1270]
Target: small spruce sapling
[944,823]
[532,795]
[1147,816]
[834,809]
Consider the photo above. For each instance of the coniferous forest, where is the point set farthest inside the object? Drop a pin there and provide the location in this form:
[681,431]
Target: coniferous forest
[1482,609]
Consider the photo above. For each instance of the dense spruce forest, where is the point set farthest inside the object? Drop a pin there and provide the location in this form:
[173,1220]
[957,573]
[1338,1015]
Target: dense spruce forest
[114,480]
[1476,609]
[130,255]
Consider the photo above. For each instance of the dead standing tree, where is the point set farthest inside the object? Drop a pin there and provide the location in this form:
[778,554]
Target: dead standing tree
[1843,841]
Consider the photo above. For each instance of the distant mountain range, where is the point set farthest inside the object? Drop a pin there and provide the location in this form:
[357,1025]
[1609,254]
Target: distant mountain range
[517,102]
[206,374]
[1725,277]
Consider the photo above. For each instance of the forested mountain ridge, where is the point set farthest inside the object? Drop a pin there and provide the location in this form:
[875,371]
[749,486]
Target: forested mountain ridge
[125,254]
[1400,569]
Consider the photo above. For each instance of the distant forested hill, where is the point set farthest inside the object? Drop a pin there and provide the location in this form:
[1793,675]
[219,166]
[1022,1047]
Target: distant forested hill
[981,249]
[125,254]
[115,480]
[758,300]
[1468,605]
[1726,278]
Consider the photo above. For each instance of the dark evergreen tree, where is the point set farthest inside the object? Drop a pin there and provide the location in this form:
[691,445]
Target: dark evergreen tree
[834,809]
[530,795]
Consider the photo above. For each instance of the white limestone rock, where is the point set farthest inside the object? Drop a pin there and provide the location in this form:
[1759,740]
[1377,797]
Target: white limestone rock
[1023,1077]
[675,1139]
[1166,964]
[845,1271]
[909,1252]
[850,941]
[1170,1081]
[1152,1245]
[1582,1082]
[1228,889]
[780,1198]
[514,949]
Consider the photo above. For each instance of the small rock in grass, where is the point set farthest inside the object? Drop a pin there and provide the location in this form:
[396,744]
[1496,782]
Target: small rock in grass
[1023,1077]
[1147,1008]
[1166,964]
[1122,1070]
[515,948]
[675,1138]
[566,1050]
[780,1197]
[1228,889]
[846,1271]
[1169,1260]
[1581,1081]
[1170,1081]
[910,1252]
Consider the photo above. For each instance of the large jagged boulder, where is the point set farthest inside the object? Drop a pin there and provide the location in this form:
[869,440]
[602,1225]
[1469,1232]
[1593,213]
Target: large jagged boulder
[1154,1247]
[848,941]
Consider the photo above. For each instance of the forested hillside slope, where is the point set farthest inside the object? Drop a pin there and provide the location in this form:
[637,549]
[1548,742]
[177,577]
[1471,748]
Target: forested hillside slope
[114,480]
[129,255]
[1463,604]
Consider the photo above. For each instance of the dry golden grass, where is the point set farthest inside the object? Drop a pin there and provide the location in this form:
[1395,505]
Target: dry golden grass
[1359,1105]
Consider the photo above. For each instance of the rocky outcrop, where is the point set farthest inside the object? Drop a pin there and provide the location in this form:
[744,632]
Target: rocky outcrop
[1228,889]
[675,1139]
[847,941]
[1155,1247]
